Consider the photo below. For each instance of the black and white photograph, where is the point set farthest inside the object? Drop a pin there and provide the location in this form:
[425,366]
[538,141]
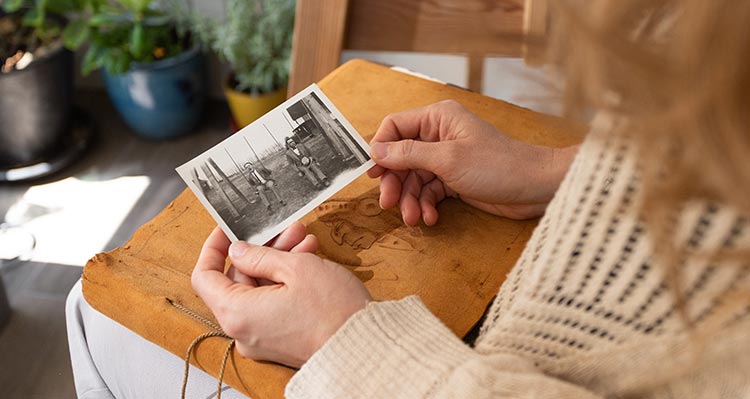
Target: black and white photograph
[275,170]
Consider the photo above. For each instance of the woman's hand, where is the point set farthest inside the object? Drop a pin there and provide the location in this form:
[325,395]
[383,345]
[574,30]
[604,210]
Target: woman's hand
[280,304]
[442,150]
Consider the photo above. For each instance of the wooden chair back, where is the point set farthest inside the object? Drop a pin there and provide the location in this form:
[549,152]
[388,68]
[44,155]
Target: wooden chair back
[477,28]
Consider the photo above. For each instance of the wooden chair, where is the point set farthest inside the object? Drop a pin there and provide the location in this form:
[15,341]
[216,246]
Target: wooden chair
[477,28]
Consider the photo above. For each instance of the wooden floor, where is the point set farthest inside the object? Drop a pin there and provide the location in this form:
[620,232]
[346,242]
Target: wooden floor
[34,360]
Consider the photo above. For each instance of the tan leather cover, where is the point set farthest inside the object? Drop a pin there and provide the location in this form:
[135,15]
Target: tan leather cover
[456,267]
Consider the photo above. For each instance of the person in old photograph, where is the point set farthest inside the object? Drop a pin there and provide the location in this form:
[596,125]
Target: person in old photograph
[300,157]
[260,179]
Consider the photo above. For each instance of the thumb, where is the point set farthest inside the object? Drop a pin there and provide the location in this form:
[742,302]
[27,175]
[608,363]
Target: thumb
[409,154]
[260,262]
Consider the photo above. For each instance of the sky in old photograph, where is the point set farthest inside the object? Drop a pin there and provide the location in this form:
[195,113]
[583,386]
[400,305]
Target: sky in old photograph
[263,135]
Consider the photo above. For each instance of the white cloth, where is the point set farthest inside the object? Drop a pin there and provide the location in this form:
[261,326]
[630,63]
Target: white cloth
[110,361]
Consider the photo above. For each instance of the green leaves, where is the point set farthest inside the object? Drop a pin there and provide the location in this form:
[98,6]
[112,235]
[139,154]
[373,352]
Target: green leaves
[35,16]
[256,39]
[65,6]
[105,19]
[122,32]
[93,60]
[156,20]
[102,55]
[117,62]
[75,34]
[12,5]
[135,6]
[138,41]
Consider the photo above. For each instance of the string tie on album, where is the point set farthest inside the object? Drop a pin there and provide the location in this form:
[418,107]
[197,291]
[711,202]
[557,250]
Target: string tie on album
[216,331]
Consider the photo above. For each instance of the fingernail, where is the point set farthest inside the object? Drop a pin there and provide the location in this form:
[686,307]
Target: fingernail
[380,150]
[237,249]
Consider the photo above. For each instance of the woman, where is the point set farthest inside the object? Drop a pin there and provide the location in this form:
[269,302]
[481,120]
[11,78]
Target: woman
[634,284]
[636,281]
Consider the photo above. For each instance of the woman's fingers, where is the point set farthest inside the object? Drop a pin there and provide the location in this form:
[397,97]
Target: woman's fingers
[417,192]
[432,193]
[250,267]
[419,123]
[390,189]
[376,171]
[241,278]
[308,244]
[409,201]
[285,241]
[408,141]
[400,125]
[208,277]
[261,262]
[290,237]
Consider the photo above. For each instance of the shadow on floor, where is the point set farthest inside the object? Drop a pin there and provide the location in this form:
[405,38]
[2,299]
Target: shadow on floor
[35,361]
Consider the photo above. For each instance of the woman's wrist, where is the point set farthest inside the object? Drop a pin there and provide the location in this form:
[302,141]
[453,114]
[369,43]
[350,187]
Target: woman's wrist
[560,162]
[552,167]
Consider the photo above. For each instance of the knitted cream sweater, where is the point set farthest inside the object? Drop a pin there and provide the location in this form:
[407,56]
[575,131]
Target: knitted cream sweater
[585,313]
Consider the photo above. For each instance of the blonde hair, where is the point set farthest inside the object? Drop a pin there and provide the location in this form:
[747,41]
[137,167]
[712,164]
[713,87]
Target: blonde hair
[677,72]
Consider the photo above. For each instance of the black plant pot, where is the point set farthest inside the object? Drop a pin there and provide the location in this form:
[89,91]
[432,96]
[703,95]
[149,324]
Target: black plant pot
[4,306]
[36,105]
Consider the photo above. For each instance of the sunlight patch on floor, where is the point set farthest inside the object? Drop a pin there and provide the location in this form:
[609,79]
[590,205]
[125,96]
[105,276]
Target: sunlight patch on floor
[73,219]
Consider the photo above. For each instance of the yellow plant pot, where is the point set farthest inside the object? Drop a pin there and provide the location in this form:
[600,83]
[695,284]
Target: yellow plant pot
[247,108]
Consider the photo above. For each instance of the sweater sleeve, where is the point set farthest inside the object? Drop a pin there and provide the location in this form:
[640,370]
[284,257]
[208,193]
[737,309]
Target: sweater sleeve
[400,350]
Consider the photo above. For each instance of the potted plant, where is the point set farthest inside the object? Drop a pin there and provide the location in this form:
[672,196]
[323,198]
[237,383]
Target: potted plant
[36,82]
[153,72]
[255,39]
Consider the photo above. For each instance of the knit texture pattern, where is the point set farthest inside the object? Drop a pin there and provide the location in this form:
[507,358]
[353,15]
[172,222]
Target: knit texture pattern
[585,313]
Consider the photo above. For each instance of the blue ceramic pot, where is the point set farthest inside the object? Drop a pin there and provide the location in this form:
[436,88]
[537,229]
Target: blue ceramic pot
[161,99]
